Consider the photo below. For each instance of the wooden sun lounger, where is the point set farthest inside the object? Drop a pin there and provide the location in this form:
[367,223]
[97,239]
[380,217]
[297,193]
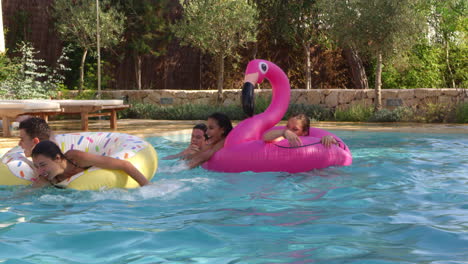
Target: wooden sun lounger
[91,108]
[11,109]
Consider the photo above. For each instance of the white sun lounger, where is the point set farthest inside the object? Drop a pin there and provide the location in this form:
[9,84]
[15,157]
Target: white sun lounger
[10,109]
[90,108]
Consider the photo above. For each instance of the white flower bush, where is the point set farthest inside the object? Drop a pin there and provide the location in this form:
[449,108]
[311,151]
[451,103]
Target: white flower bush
[32,78]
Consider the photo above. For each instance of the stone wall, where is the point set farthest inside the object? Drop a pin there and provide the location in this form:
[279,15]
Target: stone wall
[330,98]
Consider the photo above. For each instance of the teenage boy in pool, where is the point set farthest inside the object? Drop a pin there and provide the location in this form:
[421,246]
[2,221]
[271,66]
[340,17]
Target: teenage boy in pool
[219,126]
[197,142]
[31,131]
[297,126]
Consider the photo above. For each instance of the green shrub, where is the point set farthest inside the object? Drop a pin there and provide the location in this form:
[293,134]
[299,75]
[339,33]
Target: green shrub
[385,115]
[314,112]
[201,112]
[436,113]
[397,115]
[461,113]
[180,112]
[355,113]
[31,77]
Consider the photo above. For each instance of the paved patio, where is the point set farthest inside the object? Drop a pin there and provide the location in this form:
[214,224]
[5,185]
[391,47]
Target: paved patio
[146,128]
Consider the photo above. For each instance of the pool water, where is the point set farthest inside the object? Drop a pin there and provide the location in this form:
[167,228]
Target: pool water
[404,200]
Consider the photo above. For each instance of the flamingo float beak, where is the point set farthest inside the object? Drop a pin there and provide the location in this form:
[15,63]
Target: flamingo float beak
[247,97]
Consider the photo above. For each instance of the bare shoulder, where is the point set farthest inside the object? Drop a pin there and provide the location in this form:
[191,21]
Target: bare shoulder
[75,154]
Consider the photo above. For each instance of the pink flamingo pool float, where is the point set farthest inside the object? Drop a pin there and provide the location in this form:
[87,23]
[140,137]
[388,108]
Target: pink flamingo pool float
[244,149]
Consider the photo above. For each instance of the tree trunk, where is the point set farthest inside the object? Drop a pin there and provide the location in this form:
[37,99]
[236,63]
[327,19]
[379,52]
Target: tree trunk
[200,71]
[83,59]
[220,78]
[308,66]
[138,71]
[358,73]
[378,82]
[447,61]
[2,36]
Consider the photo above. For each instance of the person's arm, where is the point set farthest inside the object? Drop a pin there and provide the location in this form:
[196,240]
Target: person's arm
[175,156]
[190,150]
[279,134]
[40,182]
[84,159]
[272,135]
[200,157]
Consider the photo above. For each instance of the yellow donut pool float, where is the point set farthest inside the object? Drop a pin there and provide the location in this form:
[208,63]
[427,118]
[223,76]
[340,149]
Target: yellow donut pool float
[16,169]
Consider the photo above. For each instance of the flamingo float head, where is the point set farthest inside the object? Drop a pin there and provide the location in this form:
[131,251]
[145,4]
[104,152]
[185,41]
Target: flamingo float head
[255,73]
[252,128]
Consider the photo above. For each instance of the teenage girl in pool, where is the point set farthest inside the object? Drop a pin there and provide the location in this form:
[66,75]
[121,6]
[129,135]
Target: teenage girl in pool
[298,125]
[197,142]
[219,126]
[56,168]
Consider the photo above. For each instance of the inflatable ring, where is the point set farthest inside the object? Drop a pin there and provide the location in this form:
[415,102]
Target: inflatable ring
[16,169]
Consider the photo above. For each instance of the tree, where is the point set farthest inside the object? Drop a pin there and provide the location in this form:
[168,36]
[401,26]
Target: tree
[294,22]
[448,19]
[76,22]
[147,30]
[217,27]
[381,28]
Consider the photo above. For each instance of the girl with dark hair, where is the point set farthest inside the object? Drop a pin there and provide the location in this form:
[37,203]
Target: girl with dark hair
[197,142]
[219,126]
[297,126]
[57,167]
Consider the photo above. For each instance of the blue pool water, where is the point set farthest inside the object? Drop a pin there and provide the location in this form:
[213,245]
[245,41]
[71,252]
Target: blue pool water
[404,200]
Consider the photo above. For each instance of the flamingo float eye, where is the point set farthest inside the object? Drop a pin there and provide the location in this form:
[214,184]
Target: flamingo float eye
[263,67]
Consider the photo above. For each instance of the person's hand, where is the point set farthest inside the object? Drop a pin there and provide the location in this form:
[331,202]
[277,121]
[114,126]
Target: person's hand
[293,139]
[327,141]
[192,149]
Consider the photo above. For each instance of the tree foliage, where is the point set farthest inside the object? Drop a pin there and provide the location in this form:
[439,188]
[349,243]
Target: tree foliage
[76,23]
[381,28]
[217,27]
[147,32]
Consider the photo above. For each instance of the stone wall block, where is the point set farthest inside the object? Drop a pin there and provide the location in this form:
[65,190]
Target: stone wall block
[390,93]
[425,92]
[405,94]
[314,97]
[332,99]
[452,92]
[446,99]
[412,103]
[370,93]
[346,97]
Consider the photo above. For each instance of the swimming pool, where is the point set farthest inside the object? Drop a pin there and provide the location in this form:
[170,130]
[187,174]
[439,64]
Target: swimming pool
[404,200]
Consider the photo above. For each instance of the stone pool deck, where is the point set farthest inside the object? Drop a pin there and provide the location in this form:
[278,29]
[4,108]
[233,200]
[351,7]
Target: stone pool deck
[147,128]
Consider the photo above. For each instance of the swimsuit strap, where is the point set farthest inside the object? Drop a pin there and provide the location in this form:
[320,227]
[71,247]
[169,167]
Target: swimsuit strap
[76,165]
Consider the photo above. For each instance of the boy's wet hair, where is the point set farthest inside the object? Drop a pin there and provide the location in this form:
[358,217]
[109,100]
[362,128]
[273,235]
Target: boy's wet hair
[36,127]
[223,122]
[203,128]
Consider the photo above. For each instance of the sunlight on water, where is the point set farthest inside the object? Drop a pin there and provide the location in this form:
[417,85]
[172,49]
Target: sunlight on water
[404,200]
